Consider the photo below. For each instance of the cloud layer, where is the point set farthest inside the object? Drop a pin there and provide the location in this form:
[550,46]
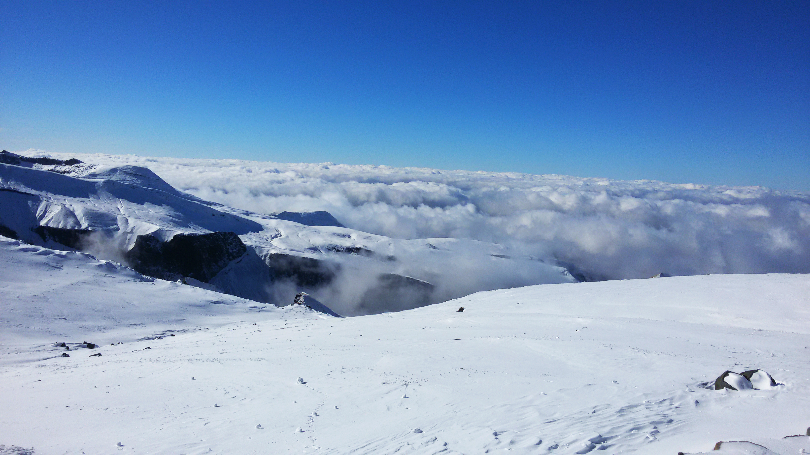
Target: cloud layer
[606,229]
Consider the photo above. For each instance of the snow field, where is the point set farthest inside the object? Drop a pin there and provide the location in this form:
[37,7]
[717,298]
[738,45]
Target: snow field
[613,367]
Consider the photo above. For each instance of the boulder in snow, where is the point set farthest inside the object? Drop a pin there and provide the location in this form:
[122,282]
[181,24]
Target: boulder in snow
[759,379]
[302,298]
[751,379]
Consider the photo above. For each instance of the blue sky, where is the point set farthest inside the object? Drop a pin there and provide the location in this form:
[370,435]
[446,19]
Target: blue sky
[680,91]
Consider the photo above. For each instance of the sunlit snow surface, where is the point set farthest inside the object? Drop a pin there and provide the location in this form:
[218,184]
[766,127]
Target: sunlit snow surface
[607,228]
[611,367]
[120,203]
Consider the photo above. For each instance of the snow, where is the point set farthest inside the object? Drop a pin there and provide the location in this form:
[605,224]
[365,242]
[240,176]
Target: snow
[609,367]
[761,380]
[738,382]
[154,366]
[119,203]
[608,229]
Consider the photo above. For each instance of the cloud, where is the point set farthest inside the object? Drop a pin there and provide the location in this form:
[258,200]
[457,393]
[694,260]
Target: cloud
[606,229]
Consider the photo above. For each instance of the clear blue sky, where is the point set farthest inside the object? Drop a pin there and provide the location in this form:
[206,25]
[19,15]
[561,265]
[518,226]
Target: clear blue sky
[707,92]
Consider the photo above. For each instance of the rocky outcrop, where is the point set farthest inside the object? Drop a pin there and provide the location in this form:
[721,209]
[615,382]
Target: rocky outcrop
[8,232]
[751,379]
[759,379]
[16,216]
[7,157]
[302,298]
[397,293]
[198,256]
[71,238]
[579,274]
[304,272]
[356,250]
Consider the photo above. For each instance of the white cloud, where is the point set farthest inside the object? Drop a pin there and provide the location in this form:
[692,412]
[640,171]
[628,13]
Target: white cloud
[609,229]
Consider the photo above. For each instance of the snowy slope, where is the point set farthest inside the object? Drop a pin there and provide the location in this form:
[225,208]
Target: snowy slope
[606,228]
[63,296]
[108,208]
[610,367]
[130,200]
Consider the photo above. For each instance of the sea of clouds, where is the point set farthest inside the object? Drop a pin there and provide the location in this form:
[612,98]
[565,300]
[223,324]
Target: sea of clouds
[602,228]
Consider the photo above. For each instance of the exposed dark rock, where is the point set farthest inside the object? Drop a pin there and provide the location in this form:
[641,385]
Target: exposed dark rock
[743,447]
[357,250]
[579,274]
[318,218]
[88,345]
[97,354]
[750,373]
[8,232]
[720,383]
[12,190]
[248,277]
[751,379]
[302,298]
[15,450]
[71,238]
[807,433]
[304,272]
[65,354]
[394,292]
[7,157]
[460,309]
[199,256]
[18,214]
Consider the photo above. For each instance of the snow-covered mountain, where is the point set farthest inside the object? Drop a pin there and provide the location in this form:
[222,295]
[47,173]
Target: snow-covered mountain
[96,358]
[130,215]
[138,318]
[600,228]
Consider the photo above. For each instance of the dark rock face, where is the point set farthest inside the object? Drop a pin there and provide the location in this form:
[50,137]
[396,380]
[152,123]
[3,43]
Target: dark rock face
[8,232]
[579,274]
[16,216]
[71,238]
[7,157]
[304,272]
[397,293]
[356,250]
[198,256]
[720,382]
[318,218]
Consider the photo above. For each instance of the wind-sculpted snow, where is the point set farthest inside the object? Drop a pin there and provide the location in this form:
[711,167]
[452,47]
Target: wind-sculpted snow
[603,228]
